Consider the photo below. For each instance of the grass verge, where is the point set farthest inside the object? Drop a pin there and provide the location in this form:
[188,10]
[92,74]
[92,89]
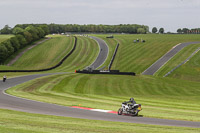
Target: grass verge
[20,122]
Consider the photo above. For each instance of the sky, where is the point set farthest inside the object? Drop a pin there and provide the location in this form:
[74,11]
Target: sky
[167,14]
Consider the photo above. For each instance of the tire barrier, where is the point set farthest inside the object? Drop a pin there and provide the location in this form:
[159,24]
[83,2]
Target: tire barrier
[112,60]
[47,69]
[116,72]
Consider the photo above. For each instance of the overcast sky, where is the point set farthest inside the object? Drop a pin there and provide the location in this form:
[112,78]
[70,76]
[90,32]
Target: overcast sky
[169,14]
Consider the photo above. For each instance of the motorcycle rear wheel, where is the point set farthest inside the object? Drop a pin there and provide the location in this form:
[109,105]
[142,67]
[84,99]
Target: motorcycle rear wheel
[119,111]
[136,113]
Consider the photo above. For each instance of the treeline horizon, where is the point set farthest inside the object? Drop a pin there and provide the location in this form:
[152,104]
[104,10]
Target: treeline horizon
[64,28]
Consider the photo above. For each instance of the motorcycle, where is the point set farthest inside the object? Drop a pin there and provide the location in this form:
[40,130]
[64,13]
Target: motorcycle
[129,109]
[4,79]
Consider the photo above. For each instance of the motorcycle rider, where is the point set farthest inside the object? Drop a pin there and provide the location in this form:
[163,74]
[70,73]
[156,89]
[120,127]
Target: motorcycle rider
[4,78]
[131,101]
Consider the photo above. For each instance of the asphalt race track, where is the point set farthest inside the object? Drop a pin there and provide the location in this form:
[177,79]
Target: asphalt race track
[24,105]
[20,104]
[164,59]
[103,53]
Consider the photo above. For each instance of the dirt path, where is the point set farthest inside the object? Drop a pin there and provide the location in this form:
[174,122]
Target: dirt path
[20,54]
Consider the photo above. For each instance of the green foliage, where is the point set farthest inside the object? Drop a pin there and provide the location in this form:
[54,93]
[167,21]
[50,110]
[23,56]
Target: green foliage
[45,28]
[161,30]
[141,31]
[33,31]
[154,30]
[179,31]
[185,30]
[3,53]
[21,40]
[122,28]
[15,43]
[41,32]
[18,30]
[28,36]
[10,48]
[6,30]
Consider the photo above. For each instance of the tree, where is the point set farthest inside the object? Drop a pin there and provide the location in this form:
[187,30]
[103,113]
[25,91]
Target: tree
[28,37]
[141,31]
[8,45]
[161,30]
[15,43]
[18,30]
[185,30]
[6,30]
[154,30]
[3,53]
[41,32]
[45,29]
[21,40]
[179,31]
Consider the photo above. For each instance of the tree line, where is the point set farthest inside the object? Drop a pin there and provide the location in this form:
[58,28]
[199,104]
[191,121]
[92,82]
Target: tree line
[63,28]
[188,31]
[23,37]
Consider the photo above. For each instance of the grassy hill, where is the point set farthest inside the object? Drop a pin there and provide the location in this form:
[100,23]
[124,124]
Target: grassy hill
[52,51]
[179,58]
[137,57]
[4,37]
[190,70]
[46,54]
[85,54]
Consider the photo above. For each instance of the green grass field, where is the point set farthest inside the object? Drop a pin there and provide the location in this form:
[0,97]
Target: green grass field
[46,54]
[173,97]
[179,58]
[20,122]
[137,57]
[190,70]
[4,37]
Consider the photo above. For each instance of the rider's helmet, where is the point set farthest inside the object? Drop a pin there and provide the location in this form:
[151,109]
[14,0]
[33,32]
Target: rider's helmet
[131,99]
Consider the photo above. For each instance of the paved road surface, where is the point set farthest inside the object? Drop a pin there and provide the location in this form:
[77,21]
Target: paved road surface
[19,104]
[103,53]
[164,59]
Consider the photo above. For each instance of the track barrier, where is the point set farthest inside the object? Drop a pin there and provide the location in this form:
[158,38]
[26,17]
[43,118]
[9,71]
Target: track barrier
[115,72]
